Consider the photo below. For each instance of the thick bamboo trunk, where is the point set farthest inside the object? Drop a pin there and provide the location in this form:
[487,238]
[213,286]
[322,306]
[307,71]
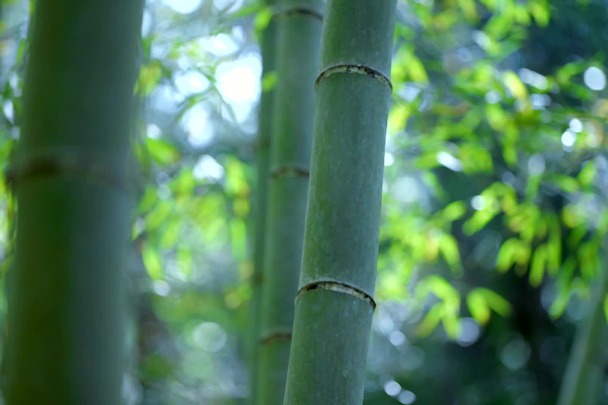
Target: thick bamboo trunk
[70,177]
[299,36]
[335,302]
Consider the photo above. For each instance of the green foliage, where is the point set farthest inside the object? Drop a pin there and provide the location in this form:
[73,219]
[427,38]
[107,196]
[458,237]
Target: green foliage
[474,142]
[446,310]
[481,301]
[494,188]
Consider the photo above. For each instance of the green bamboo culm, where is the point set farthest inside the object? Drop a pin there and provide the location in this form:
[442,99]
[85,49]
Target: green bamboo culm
[299,24]
[583,379]
[71,179]
[334,304]
[268,40]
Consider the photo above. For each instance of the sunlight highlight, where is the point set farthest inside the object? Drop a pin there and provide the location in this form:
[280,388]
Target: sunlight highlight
[239,84]
[594,78]
[183,6]
[207,168]
[220,45]
[198,126]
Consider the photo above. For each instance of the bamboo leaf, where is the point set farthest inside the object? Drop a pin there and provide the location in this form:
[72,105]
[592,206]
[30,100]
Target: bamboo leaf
[238,237]
[540,12]
[453,211]
[506,255]
[497,303]
[149,77]
[431,247]
[515,86]
[158,216]
[478,221]
[560,304]
[521,15]
[152,262]
[236,178]
[441,288]
[469,9]
[170,233]
[449,250]
[588,256]
[262,19]
[587,173]
[162,152]
[478,307]
[475,159]
[566,183]
[509,145]
[538,265]
[184,183]
[398,117]
[430,321]
[570,216]
[451,324]
[269,81]
[496,116]
[415,68]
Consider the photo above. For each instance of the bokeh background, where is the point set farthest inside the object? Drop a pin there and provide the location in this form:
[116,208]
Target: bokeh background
[494,198]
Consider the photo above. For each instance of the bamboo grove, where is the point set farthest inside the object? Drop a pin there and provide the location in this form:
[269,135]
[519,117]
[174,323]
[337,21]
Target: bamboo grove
[303,202]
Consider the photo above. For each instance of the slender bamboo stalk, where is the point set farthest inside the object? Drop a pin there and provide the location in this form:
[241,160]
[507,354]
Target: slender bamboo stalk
[266,114]
[583,379]
[299,25]
[335,303]
[70,177]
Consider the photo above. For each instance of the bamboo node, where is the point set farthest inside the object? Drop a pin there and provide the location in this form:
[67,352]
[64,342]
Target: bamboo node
[85,166]
[300,10]
[289,171]
[339,287]
[356,69]
[274,336]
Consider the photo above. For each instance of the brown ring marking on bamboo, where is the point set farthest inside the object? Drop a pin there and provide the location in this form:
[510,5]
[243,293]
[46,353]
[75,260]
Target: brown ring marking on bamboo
[49,163]
[339,287]
[289,170]
[300,10]
[262,144]
[357,69]
[272,336]
[257,279]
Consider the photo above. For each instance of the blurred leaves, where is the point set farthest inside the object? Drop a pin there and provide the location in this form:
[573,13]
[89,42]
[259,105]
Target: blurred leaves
[446,310]
[495,166]
[481,301]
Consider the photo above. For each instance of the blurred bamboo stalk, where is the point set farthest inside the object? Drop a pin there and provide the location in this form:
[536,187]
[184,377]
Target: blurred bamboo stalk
[299,24]
[70,175]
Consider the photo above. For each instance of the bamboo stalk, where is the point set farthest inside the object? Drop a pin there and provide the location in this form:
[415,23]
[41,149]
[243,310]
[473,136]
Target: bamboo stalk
[335,302]
[71,179]
[266,114]
[299,35]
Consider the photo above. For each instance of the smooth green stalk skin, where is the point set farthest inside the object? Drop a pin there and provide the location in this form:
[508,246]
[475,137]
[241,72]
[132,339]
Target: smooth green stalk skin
[67,303]
[298,51]
[267,44]
[583,379]
[334,305]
